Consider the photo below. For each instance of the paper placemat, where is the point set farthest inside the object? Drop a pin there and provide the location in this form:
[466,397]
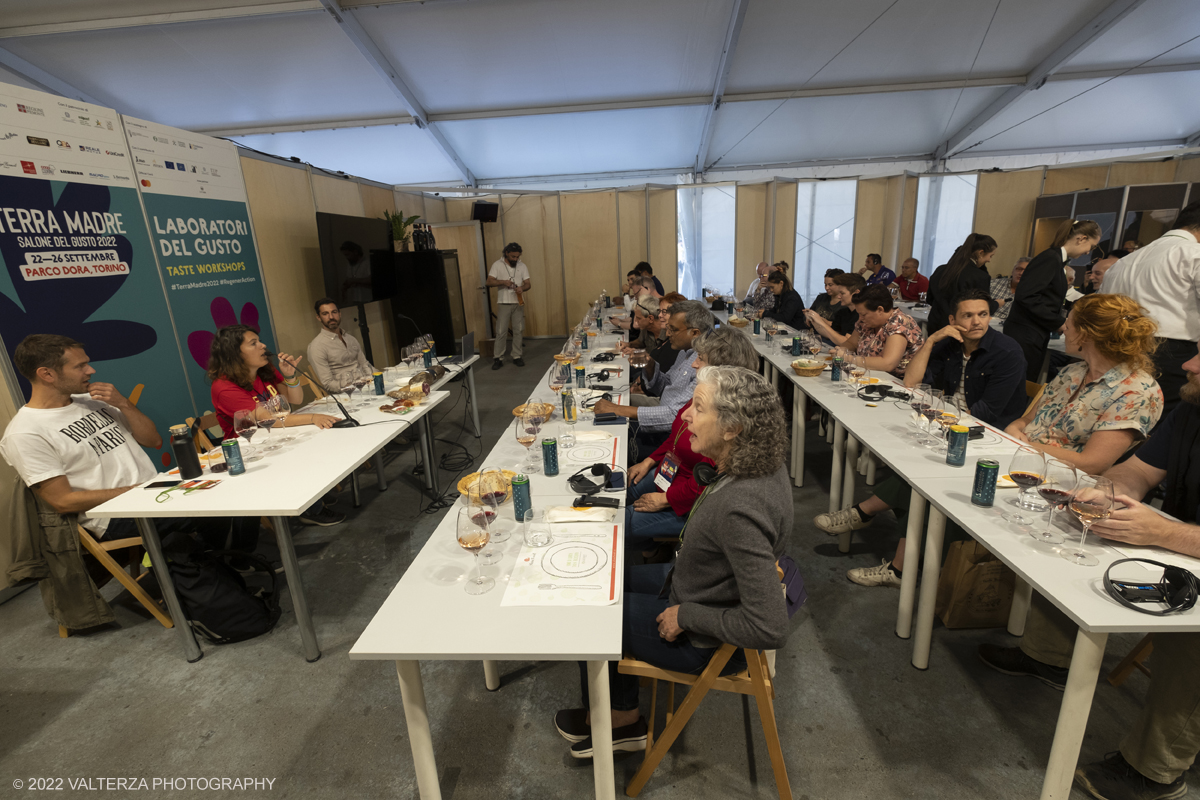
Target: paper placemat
[582,566]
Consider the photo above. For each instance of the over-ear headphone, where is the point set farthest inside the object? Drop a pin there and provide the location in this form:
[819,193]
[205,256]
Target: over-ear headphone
[604,357]
[705,474]
[1179,589]
[579,482]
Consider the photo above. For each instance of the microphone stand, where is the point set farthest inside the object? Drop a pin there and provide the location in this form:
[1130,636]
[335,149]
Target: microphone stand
[349,421]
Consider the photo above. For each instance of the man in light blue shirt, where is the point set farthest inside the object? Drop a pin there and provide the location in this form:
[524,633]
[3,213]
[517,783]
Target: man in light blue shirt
[687,319]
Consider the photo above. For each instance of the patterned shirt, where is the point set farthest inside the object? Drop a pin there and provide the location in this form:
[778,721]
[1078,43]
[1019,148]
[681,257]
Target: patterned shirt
[872,342]
[1002,290]
[674,389]
[1122,399]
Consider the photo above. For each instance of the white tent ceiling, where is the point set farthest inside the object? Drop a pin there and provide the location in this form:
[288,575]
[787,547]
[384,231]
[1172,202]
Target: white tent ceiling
[436,91]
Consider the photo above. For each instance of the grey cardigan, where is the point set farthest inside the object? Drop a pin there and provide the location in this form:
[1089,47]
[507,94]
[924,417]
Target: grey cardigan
[724,579]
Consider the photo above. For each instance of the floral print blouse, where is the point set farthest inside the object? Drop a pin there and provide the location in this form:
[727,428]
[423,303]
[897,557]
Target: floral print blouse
[871,342]
[1122,399]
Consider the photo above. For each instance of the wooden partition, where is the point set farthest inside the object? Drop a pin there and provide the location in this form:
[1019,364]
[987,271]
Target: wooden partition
[1004,210]
[750,246]
[783,243]
[590,248]
[532,221]
[663,238]
[631,209]
[870,219]
[466,239]
[377,200]
[1187,170]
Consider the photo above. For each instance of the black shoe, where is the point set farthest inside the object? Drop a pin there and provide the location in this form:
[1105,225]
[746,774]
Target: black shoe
[1013,661]
[1114,779]
[629,739]
[571,724]
[497,363]
[520,362]
[325,517]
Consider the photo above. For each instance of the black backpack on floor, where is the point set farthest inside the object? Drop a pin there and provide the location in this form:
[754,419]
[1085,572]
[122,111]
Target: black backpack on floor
[216,600]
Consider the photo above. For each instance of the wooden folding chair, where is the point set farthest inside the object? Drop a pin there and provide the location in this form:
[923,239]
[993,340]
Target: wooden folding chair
[317,391]
[208,421]
[100,550]
[1034,392]
[1140,652]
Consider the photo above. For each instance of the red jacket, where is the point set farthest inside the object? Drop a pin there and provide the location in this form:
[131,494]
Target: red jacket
[229,398]
[911,290]
[684,489]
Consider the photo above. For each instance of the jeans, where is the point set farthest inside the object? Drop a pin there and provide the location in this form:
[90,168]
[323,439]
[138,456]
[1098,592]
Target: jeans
[640,639]
[641,527]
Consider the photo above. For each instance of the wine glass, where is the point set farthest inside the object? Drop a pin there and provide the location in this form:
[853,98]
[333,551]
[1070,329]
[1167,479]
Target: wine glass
[529,424]
[931,409]
[493,490]
[280,409]
[917,401]
[473,535]
[558,377]
[1058,482]
[245,426]
[360,383]
[570,410]
[264,416]
[952,412]
[1091,501]
[1025,470]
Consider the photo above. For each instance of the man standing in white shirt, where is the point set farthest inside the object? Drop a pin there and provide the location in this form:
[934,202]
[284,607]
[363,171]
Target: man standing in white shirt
[1164,277]
[512,276]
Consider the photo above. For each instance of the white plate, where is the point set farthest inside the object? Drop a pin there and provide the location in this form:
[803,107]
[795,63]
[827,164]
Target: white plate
[587,453]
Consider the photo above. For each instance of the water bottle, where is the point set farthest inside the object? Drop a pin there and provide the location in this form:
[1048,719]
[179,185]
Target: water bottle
[185,452]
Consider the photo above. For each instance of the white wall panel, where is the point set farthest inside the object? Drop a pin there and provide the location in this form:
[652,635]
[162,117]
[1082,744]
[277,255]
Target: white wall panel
[1149,29]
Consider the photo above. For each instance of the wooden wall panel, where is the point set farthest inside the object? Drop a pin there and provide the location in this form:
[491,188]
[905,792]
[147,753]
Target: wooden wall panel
[664,249]
[376,200]
[632,210]
[281,206]
[464,238]
[337,195]
[896,210]
[909,224]
[1075,179]
[532,221]
[1137,172]
[411,203]
[749,247]
[783,247]
[1004,210]
[870,215]
[589,224]
[435,209]
[1186,171]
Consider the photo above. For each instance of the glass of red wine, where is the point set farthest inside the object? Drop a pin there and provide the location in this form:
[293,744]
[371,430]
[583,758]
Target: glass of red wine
[245,426]
[493,489]
[265,419]
[1058,483]
[1025,470]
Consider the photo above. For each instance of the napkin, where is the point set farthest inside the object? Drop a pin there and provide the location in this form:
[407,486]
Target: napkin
[569,514]
[593,436]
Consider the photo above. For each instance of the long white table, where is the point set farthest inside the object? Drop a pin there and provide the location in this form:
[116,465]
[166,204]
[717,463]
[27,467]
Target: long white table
[429,616]
[281,485]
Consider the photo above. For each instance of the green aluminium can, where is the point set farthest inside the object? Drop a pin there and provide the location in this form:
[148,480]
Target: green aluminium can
[581,377]
[550,457]
[522,501]
[983,493]
[233,456]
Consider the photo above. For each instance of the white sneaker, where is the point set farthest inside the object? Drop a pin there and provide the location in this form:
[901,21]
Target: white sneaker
[842,521]
[875,576]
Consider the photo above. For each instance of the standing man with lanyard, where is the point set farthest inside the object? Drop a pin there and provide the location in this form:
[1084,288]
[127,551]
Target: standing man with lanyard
[1164,278]
[512,276]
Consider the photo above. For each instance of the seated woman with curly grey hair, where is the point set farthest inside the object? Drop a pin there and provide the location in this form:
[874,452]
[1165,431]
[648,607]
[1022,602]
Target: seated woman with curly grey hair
[662,488]
[723,587]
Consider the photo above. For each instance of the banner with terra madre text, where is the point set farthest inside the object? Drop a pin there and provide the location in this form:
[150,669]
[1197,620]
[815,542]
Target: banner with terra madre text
[75,256]
[195,202]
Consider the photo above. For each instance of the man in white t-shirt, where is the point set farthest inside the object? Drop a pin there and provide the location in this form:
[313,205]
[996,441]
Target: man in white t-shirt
[512,276]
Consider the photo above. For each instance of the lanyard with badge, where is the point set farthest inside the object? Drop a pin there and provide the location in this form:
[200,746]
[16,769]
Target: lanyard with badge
[670,465]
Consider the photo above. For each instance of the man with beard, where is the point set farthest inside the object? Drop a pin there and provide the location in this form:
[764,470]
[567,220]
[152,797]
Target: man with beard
[1159,748]
[336,356]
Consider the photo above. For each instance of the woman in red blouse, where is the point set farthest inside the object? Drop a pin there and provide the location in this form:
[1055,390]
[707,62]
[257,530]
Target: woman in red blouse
[662,488]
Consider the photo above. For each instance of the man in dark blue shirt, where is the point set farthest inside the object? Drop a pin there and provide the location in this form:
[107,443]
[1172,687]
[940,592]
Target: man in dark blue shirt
[1161,745]
[971,359]
[644,269]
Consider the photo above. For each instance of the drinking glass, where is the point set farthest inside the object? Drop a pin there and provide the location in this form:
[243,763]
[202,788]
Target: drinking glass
[1058,482]
[473,535]
[281,408]
[529,424]
[349,387]
[952,412]
[493,489]
[917,402]
[570,412]
[264,416]
[360,383]
[932,409]
[537,528]
[1091,501]
[921,297]
[245,426]
[1026,470]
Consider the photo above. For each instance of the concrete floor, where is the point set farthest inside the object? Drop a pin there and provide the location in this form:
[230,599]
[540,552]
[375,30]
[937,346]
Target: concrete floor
[856,719]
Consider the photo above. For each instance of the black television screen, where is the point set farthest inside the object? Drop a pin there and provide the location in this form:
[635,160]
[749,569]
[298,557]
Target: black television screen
[347,245]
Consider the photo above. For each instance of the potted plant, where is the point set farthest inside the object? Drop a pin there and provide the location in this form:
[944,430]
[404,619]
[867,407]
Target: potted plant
[400,229]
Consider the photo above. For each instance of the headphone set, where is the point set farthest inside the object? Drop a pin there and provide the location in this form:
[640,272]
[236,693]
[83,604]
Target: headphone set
[705,474]
[604,357]
[580,482]
[1179,589]
[879,391]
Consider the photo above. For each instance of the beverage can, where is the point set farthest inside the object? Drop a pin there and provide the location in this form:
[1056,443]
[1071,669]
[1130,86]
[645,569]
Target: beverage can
[835,369]
[580,377]
[795,345]
[378,376]
[583,341]
[427,356]
[757,327]
[983,492]
[956,448]
[521,497]
[550,457]
[233,456]
[770,336]
[432,348]
[568,406]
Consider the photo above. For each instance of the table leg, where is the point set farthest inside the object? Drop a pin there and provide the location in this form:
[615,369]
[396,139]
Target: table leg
[1022,594]
[848,480]
[912,557]
[416,717]
[929,582]
[474,400]
[491,675]
[422,435]
[191,649]
[775,378]
[799,412]
[378,461]
[431,467]
[835,471]
[872,464]
[1073,714]
[602,755]
[291,567]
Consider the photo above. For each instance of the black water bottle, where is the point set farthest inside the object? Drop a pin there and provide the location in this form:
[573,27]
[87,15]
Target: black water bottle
[185,452]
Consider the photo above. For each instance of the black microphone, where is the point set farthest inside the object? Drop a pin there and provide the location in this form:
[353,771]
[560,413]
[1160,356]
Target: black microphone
[349,421]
